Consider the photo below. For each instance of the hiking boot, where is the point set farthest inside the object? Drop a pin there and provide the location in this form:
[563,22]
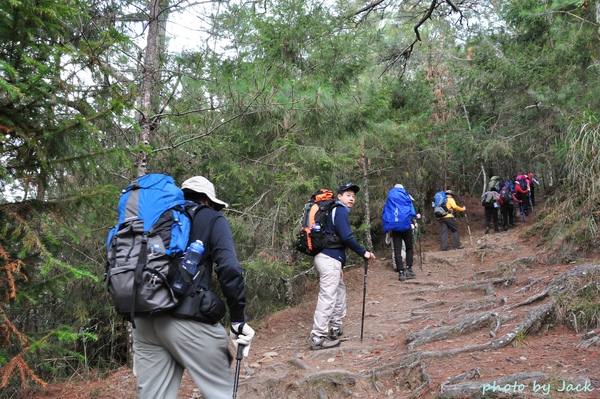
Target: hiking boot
[317,343]
[335,332]
[410,273]
[401,276]
[487,230]
[460,247]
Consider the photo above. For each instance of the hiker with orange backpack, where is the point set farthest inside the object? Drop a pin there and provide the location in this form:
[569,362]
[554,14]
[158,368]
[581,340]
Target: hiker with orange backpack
[329,263]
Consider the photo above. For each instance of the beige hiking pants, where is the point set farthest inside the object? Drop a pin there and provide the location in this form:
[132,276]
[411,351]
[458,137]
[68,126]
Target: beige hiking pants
[331,304]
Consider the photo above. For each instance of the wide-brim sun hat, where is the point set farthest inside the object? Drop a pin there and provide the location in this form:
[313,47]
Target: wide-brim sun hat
[348,187]
[202,185]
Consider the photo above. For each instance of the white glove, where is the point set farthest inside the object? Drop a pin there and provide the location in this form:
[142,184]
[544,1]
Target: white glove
[241,334]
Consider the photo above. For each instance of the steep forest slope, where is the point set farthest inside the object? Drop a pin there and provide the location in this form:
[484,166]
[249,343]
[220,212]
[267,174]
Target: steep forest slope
[477,322]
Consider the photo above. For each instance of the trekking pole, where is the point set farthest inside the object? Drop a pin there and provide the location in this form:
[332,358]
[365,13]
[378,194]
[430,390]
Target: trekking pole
[238,358]
[469,228]
[530,202]
[420,249]
[419,239]
[362,319]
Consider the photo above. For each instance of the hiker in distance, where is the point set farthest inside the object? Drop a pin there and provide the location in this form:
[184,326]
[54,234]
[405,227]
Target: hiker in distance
[185,338]
[507,208]
[491,202]
[448,222]
[397,216]
[329,263]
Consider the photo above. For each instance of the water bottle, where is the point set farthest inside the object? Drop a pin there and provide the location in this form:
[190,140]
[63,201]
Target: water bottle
[190,263]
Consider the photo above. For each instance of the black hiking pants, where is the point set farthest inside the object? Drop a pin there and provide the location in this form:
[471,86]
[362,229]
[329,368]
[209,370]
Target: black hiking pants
[508,211]
[491,213]
[398,237]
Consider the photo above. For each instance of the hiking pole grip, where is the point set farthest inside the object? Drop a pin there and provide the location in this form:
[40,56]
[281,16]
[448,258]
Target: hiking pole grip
[362,319]
[239,356]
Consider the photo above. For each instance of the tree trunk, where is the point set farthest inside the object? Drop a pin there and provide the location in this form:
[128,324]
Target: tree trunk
[366,195]
[151,76]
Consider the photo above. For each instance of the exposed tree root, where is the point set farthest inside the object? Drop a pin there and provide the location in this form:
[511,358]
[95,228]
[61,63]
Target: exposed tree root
[522,385]
[588,339]
[408,374]
[468,323]
[468,388]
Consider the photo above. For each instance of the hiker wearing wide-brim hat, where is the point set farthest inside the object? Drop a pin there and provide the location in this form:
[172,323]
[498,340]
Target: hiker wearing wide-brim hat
[197,186]
[190,337]
[448,222]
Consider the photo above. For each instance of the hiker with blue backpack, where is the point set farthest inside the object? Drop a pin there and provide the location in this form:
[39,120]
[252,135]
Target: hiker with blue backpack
[190,337]
[444,204]
[329,263]
[397,215]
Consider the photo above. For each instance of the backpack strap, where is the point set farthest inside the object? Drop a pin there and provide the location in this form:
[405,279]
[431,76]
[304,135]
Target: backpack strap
[196,280]
[139,269]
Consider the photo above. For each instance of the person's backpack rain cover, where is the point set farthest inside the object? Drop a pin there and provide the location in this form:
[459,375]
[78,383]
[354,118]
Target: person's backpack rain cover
[396,215]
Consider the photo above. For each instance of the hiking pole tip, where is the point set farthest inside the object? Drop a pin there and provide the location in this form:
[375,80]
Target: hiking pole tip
[362,319]
[239,356]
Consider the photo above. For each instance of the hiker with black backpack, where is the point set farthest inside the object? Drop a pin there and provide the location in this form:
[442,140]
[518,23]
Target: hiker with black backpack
[396,216]
[507,209]
[491,202]
[190,337]
[448,222]
[329,263]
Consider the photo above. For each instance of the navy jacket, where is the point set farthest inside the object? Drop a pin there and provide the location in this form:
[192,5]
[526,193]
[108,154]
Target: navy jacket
[340,225]
[221,256]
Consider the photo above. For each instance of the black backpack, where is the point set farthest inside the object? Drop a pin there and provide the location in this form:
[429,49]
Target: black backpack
[488,199]
[311,240]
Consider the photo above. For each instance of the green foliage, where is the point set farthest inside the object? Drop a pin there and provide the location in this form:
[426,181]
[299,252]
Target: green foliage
[580,308]
[295,100]
[272,286]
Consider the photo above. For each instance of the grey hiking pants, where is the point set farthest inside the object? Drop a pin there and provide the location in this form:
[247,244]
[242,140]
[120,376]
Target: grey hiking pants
[331,304]
[165,346]
[449,224]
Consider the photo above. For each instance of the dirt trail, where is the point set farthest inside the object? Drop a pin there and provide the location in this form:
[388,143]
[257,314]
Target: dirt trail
[474,320]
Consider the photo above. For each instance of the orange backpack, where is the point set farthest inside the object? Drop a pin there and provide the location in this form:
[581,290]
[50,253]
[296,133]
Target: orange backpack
[312,238]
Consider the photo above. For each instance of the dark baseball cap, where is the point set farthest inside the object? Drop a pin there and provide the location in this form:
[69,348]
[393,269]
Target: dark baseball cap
[348,187]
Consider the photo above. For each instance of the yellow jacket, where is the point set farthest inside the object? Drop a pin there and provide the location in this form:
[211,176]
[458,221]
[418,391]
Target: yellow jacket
[451,205]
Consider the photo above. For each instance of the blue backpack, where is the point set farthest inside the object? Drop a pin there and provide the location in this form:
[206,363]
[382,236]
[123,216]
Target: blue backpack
[145,247]
[439,204]
[397,211]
